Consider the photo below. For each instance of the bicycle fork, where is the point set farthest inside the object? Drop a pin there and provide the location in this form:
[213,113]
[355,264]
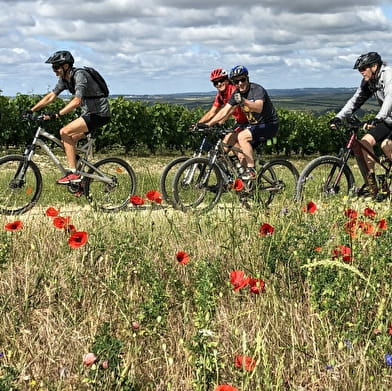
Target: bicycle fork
[334,187]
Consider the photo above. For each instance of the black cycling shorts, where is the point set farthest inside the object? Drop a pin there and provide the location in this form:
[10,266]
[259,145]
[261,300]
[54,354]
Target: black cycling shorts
[381,132]
[261,132]
[95,121]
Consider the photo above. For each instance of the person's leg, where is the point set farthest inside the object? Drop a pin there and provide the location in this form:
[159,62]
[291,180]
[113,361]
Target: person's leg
[70,135]
[244,141]
[369,142]
[386,146]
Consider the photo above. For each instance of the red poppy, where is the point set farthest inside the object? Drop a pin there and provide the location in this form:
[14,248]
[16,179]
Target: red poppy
[351,213]
[245,362]
[266,229]
[238,279]
[51,212]
[318,249]
[225,387]
[78,239]
[367,227]
[342,251]
[382,224]
[310,207]
[369,213]
[155,196]
[14,226]
[182,257]
[136,200]
[256,285]
[390,329]
[238,185]
[61,222]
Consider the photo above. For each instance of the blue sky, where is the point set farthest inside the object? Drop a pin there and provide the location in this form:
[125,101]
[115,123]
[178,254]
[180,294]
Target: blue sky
[168,46]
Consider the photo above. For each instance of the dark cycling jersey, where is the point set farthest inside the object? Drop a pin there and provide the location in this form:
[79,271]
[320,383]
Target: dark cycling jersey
[257,92]
[85,86]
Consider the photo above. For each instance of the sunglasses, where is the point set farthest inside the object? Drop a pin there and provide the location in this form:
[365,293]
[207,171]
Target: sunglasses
[56,66]
[216,82]
[363,68]
[241,80]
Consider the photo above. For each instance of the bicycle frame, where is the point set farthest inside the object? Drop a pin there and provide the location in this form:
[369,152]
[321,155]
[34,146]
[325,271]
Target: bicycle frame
[217,151]
[84,151]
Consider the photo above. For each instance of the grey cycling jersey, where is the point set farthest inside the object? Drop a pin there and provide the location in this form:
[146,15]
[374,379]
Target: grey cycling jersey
[380,88]
[85,86]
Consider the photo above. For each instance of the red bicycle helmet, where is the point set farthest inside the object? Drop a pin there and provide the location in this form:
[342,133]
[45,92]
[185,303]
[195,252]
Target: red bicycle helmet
[218,73]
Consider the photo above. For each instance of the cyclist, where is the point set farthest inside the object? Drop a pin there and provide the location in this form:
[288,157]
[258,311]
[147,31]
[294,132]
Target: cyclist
[262,119]
[376,81]
[87,94]
[220,79]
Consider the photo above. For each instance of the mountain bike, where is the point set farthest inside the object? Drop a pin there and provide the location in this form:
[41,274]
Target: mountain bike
[200,182]
[107,184]
[328,176]
[171,168]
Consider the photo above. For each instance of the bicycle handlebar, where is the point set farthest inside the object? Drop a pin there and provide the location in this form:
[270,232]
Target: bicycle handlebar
[35,116]
[215,129]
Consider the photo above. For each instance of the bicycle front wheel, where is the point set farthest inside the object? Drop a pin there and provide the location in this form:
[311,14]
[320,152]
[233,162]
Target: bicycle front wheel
[167,177]
[324,177]
[197,185]
[276,183]
[113,185]
[20,184]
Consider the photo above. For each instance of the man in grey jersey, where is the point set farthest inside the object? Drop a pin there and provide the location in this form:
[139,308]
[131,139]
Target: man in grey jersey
[377,82]
[87,94]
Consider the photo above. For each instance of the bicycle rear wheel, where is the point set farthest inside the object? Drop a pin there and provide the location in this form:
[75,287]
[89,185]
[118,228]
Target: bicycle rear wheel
[323,178]
[20,184]
[167,177]
[197,185]
[276,183]
[118,184]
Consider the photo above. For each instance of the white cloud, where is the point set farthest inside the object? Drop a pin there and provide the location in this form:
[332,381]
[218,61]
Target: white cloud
[163,46]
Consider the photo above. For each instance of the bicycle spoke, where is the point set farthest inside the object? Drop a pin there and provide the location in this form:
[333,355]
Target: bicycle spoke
[112,193]
[19,191]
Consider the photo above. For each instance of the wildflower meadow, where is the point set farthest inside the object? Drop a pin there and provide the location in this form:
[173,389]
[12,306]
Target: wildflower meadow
[293,297]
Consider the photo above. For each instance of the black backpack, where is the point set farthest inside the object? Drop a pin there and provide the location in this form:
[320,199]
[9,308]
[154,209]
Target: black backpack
[96,77]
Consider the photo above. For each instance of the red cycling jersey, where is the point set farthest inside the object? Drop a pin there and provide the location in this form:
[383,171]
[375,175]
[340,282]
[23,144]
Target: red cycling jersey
[222,98]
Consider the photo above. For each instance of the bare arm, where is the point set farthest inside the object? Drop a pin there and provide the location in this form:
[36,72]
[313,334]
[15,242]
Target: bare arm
[256,106]
[72,105]
[48,98]
[210,114]
[222,115]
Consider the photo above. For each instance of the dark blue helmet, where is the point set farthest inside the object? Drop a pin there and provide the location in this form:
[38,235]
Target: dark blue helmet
[238,70]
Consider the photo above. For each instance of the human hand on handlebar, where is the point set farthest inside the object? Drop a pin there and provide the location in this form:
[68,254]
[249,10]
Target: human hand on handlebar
[335,123]
[27,114]
[50,116]
[371,123]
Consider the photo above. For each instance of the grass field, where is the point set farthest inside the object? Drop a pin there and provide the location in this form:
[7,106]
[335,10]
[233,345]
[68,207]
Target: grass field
[293,297]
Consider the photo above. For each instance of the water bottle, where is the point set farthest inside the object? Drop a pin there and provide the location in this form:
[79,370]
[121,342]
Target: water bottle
[240,168]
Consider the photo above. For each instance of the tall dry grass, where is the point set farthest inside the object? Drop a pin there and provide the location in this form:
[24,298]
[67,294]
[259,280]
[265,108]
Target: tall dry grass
[161,325]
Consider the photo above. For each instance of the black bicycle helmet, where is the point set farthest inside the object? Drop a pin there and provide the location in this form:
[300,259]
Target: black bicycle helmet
[367,60]
[61,57]
[238,70]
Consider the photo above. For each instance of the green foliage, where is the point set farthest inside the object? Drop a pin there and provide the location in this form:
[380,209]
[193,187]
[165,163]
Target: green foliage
[204,346]
[107,348]
[140,126]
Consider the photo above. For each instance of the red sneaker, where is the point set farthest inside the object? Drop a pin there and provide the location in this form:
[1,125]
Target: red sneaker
[70,177]
[249,174]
